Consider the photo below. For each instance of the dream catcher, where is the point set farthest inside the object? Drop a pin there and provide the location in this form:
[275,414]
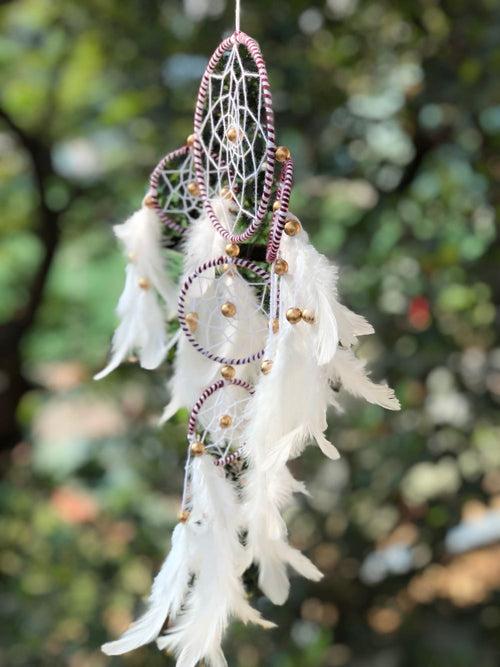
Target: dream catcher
[263,339]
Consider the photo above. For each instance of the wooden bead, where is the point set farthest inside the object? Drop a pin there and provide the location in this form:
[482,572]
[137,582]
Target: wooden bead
[192,321]
[197,448]
[280,267]
[228,309]
[225,421]
[193,189]
[232,134]
[294,315]
[184,516]
[292,227]
[190,140]
[283,154]
[277,205]
[144,283]
[232,249]
[149,201]
[308,316]
[266,366]
[228,372]
[275,325]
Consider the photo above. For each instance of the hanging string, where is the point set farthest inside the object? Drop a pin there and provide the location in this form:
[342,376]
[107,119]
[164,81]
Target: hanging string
[237,15]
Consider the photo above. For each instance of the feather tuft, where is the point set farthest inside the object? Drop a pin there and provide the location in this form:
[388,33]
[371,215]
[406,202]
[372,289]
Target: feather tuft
[142,319]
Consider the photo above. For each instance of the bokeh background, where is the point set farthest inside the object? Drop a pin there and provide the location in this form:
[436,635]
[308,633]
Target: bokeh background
[392,110]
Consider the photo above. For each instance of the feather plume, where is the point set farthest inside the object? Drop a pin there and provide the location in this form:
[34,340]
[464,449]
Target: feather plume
[350,325]
[142,320]
[218,593]
[203,243]
[354,378]
[167,595]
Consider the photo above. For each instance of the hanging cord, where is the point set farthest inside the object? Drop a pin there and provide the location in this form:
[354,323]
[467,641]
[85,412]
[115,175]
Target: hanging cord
[237,15]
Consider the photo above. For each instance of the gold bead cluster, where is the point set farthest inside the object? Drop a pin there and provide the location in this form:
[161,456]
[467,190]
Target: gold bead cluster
[295,315]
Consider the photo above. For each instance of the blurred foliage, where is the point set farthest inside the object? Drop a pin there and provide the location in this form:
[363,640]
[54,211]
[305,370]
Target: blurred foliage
[392,111]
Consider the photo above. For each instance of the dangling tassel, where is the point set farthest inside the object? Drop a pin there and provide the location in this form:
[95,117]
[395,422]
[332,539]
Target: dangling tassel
[267,493]
[290,403]
[142,321]
[167,595]
[217,593]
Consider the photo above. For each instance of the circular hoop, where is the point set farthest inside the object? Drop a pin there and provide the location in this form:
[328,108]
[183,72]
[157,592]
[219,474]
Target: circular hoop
[214,263]
[209,391]
[280,216]
[179,201]
[203,156]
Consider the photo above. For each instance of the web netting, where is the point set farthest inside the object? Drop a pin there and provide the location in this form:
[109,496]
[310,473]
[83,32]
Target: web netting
[234,147]
[172,189]
[218,421]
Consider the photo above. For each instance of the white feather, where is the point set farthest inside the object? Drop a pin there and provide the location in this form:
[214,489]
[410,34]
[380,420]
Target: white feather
[350,325]
[167,595]
[142,320]
[218,593]
[204,243]
[354,378]
[311,283]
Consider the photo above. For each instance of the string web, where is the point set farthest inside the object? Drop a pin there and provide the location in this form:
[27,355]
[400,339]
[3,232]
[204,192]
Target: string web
[235,104]
[176,204]
[230,400]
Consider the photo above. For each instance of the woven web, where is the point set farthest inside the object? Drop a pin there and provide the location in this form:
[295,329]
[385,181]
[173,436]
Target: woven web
[175,201]
[231,400]
[241,335]
[234,103]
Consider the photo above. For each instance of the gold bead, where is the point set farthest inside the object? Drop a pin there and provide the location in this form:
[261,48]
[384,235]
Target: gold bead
[192,321]
[131,256]
[225,421]
[132,359]
[232,249]
[266,366]
[277,205]
[193,189]
[294,315]
[232,134]
[149,201]
[228,372]
[197,448]
[190,140]
[183,516]
[228,309]
[308,316]
[144,283]
[275,326]
[292,227]
[282,154]
[280,267]
[226,193]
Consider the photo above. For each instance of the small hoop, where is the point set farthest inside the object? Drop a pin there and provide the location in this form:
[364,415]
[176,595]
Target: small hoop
[214,263]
